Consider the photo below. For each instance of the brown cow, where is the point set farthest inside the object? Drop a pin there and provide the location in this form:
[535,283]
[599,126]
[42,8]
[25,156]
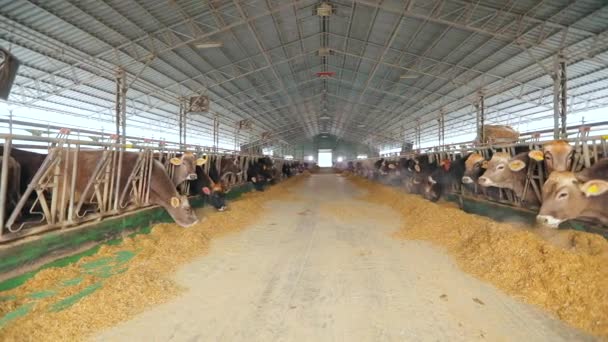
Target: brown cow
[499,134]
[568,196]
[556,155]
[162,189]
[185,167]
[504,171]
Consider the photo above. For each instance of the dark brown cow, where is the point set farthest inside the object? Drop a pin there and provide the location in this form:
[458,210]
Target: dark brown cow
[162,189]
[568,196]
[504,171]
[556,155]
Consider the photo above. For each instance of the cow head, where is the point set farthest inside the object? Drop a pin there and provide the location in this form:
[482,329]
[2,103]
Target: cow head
[431,189]
[475,165]
[556,156]
[185,167]
[446,164]
[180,210]
[230,167]
[503,170]
[217,195]
[565,197]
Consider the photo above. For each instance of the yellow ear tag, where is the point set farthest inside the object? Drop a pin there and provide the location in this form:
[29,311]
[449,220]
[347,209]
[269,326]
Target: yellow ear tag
[517,165]
[175,161]
[593,189]
[536,155]
[174,202]
[201,161]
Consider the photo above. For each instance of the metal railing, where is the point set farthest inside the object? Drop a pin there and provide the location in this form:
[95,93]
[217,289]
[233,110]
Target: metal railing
[587,150]
[56,198]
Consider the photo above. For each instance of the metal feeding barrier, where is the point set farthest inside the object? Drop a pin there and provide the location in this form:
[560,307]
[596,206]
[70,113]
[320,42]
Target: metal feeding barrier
[52,200]
[588,149]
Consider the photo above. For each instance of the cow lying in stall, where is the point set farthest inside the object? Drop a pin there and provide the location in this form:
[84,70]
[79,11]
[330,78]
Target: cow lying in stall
[581,195]
[498,134]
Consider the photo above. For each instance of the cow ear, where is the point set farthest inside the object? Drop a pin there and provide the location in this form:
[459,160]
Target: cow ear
[175,202]
[594,187]
[206,190]
[201,161]
[516,165]
[536,155]
[175,161]
[484,164]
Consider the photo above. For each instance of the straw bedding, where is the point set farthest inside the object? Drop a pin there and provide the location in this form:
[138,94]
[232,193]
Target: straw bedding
[564,272]
[143,281]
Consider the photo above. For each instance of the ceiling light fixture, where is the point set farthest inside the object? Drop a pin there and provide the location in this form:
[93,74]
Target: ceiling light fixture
[324,10]
[208,45]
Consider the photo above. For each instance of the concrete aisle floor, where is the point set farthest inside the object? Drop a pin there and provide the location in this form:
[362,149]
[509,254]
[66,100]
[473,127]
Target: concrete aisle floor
[325,268]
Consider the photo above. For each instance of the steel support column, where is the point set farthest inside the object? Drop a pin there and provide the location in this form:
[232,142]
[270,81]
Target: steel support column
[121,127]
[480,119]
[560,99]
[121,105]
[441,126]
[183,109]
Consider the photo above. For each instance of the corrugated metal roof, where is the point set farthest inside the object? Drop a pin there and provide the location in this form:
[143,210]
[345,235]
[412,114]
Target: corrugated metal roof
[449,50]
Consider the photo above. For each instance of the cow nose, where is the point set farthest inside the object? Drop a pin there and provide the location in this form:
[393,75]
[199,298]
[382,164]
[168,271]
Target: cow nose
[192,176]
[483,180]
[542,219]
[467,180]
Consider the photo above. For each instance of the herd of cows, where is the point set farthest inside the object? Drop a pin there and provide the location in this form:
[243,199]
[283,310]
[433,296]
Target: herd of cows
[565,195]
[172,179]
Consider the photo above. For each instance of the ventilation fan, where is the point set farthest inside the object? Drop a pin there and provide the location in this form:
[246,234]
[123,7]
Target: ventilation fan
[198,104]
[8,70]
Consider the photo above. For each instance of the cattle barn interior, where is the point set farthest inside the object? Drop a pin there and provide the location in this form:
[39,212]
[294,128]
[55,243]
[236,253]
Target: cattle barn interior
[261,170]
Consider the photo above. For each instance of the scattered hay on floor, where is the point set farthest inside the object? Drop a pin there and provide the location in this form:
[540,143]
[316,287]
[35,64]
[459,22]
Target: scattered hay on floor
[95,302]
[350,211]
[564,272]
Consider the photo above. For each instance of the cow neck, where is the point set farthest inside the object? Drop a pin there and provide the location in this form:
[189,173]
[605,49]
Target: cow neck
[519,184]
[161,186]
[596,208]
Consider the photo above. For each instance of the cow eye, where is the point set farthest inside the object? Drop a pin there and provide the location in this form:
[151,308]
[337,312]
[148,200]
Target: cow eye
[562,195]
[547,157]
[500,167]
